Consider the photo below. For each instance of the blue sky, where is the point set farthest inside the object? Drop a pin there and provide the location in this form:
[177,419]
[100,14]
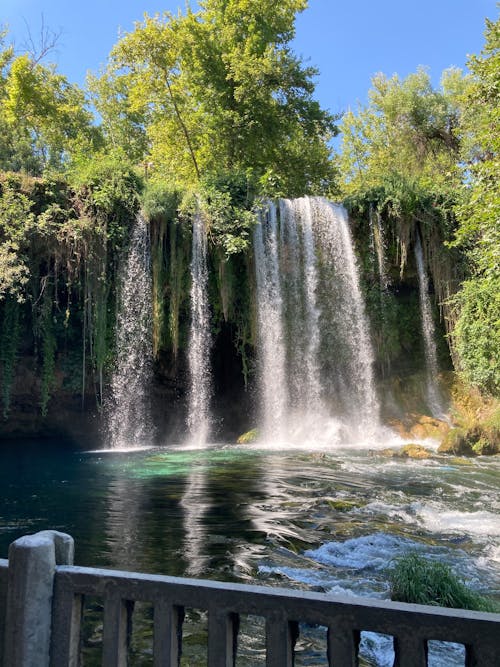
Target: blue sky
[348,41]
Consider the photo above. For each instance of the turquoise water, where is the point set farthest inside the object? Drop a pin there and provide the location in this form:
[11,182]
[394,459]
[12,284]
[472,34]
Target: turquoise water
[330,521]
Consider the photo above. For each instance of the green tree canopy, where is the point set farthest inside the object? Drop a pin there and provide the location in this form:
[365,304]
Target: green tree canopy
[43,118]
[408,130]
[219,91]
[477,334]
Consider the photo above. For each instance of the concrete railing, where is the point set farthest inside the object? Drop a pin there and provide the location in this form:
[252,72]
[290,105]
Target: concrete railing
[42,599]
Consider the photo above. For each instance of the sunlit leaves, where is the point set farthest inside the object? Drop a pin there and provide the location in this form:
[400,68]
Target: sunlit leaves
[218,90]
[408,128]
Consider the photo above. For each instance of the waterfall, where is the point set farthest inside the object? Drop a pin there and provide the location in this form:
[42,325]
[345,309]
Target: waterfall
[429,335]
[314,343]
[348,327]
[198,419]
[292,295]
[128,418]
[273,378]
[311,381]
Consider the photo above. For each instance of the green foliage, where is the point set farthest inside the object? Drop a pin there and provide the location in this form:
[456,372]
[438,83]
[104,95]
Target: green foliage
[407,131]
[49,345]
[160,200]
[477,332]
[108,189]
[215,91]
[419,580]
[16,224]
[9,343]
[42,116]
[224,202]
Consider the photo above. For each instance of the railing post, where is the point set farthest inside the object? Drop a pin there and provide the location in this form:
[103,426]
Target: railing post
[32,562]
[4,564]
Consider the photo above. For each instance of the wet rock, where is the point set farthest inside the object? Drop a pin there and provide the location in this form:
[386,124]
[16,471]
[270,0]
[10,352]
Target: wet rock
[388,452]
[248,437]
[414,451]
[410,451]
[420,427]
[344,505]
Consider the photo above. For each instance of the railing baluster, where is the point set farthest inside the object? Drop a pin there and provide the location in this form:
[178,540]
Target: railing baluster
[66,628]
[410,651]
[281,636]
[117,630]
[343,646]
[222,638]
[4,571]
[167,638]
[480,655]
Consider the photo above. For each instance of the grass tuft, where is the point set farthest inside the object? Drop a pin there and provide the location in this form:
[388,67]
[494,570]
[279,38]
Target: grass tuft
[417,579]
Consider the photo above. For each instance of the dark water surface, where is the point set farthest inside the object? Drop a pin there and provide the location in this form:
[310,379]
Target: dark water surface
[331,521]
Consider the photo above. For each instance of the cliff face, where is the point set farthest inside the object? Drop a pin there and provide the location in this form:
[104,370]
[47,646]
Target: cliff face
[58,325]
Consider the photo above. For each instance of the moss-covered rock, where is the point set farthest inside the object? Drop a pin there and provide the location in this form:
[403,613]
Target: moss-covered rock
[409,451]
[479,439]
[414,451]
[456,442]
[461,461]
[248,437]
[389,452]
[420,427]
[344,505]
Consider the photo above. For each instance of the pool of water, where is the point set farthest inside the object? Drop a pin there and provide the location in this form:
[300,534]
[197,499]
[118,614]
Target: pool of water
[327,520]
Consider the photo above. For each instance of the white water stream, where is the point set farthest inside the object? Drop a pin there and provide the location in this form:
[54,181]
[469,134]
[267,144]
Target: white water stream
[316,376]
[128,416]
[200,385]
[434,399]
[274,390]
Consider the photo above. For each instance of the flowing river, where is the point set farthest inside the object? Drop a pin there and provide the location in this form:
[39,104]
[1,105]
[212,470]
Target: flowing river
[328,519]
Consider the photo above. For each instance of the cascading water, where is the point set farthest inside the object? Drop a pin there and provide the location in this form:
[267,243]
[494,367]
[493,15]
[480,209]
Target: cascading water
[291,276]
[347,326]
[312,379]
[128,418]
[313,331]
[433,394]
[273,379]
[198,419]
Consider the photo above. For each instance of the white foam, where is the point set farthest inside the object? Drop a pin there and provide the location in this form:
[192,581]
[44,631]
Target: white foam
[369,552]
[493,553]
[119,450]
[437,519]
[481,523]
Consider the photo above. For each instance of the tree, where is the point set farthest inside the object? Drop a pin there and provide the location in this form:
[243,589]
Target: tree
[42,116]
[408,130]
[219,91]
[477,334]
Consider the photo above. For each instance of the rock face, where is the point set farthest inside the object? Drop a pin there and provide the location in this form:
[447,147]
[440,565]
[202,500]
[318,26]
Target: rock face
[420,427]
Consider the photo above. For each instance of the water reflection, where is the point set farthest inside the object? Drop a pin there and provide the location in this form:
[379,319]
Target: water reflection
[124,539]
[329,521]
[195,504]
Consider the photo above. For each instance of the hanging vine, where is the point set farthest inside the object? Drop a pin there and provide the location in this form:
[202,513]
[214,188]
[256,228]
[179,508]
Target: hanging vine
[9,344]
[48,348]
